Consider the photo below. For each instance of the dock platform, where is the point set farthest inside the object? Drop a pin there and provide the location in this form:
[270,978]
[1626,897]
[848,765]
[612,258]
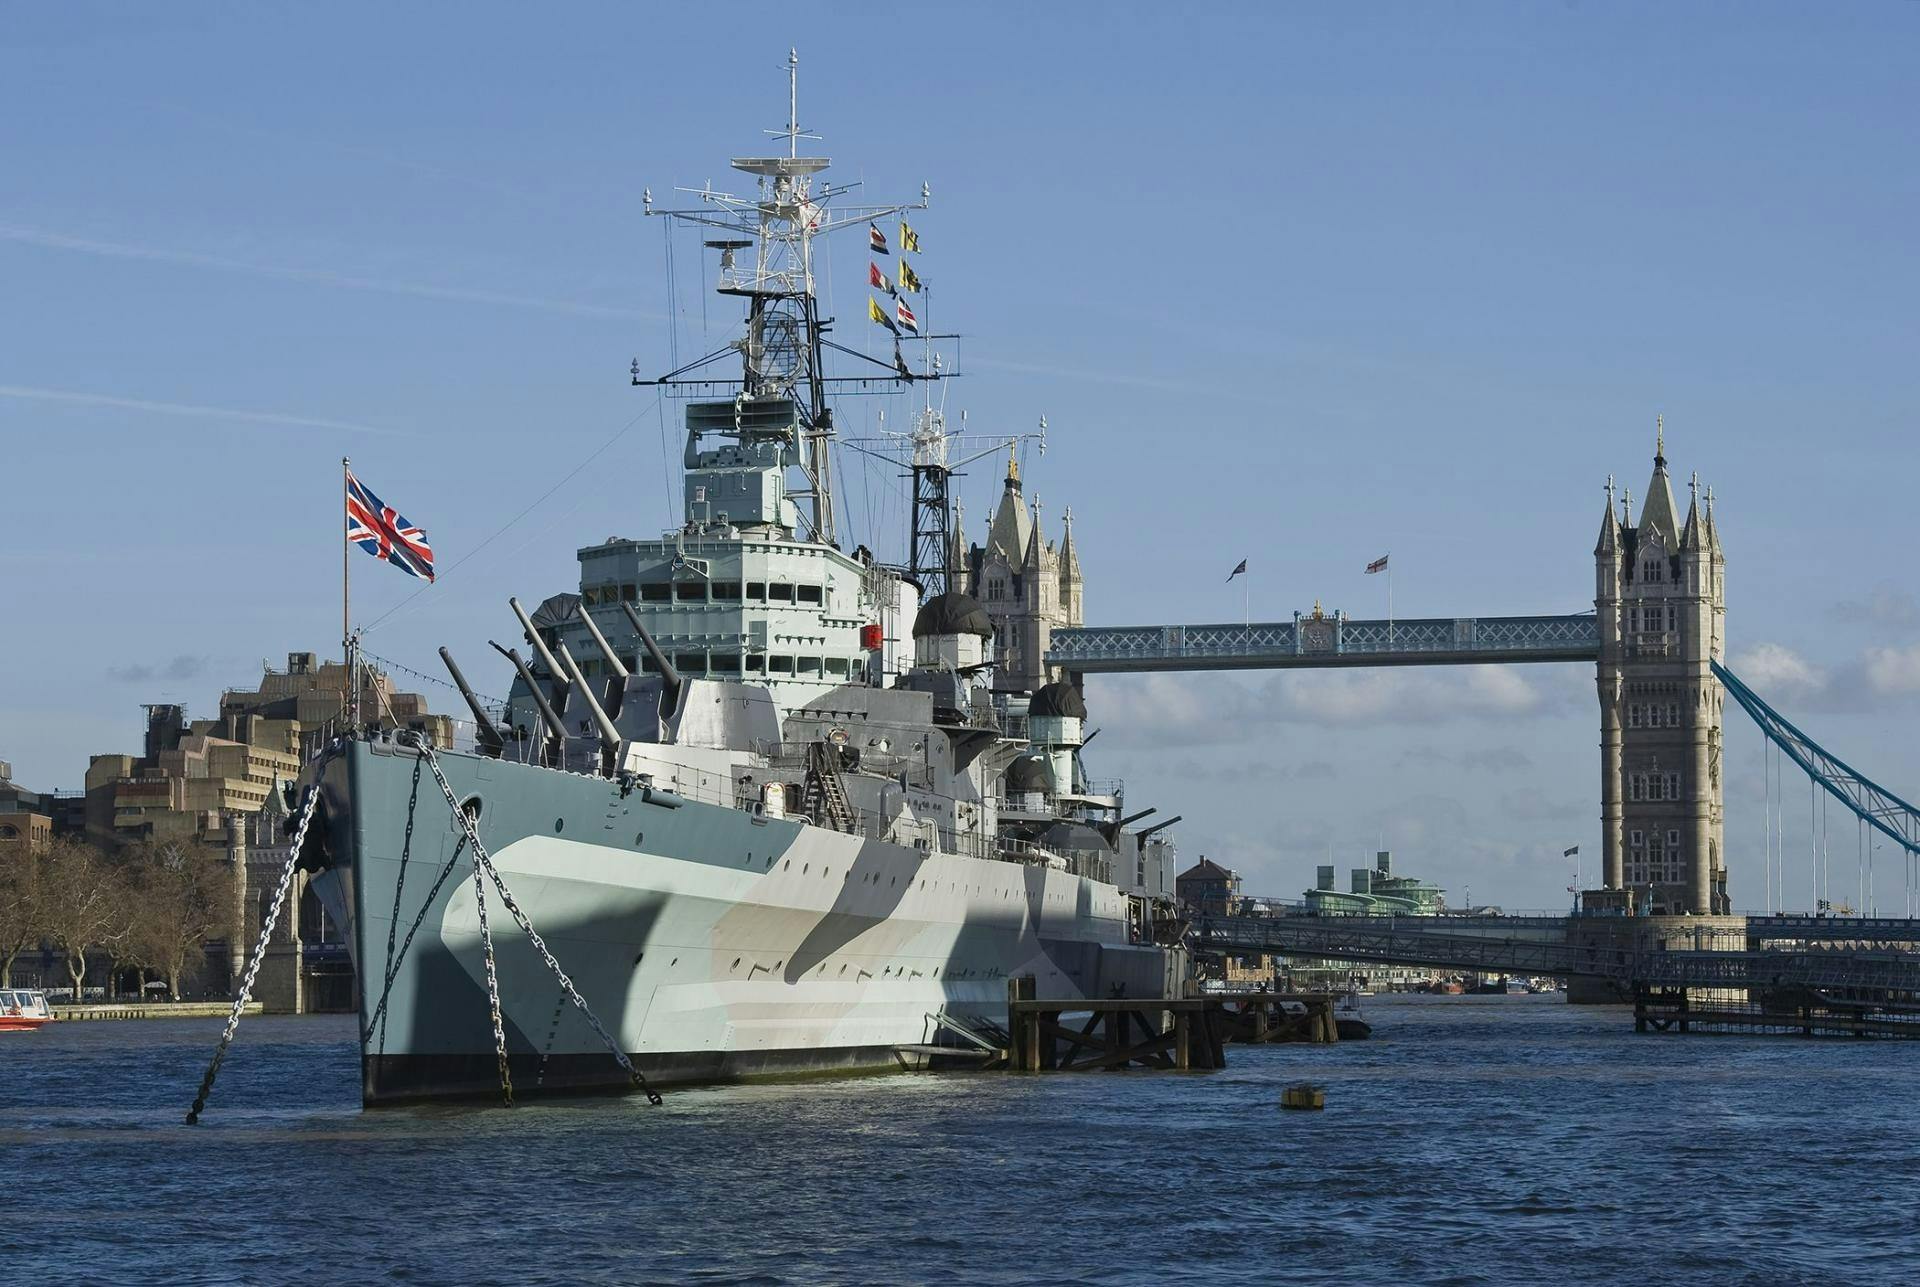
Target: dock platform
[1171,1033]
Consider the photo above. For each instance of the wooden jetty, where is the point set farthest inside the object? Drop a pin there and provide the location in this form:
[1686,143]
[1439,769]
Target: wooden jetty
[1802,1012]
[1176,1033]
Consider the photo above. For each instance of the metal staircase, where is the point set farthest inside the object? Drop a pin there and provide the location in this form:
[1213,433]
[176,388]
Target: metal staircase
[825,798]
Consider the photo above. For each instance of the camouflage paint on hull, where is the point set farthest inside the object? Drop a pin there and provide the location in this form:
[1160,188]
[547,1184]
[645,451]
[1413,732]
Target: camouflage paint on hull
[711,943]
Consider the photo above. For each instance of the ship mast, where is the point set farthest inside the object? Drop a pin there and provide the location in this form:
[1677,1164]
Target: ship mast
[782,350]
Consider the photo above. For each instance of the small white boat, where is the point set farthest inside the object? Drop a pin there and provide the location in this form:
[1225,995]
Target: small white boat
[23,1009]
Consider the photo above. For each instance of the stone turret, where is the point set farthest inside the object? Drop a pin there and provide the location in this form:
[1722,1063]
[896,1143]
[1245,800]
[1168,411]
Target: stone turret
[1029,589]
[1071,583]
[1661,606]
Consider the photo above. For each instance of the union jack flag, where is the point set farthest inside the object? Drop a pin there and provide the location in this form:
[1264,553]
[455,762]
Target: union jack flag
[381,531]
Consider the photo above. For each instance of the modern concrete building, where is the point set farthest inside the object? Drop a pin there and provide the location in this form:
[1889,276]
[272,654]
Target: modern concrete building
[26,817]
[1660,598]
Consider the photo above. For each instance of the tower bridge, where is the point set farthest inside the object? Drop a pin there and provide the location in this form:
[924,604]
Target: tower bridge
[1319,640]
[1657,638]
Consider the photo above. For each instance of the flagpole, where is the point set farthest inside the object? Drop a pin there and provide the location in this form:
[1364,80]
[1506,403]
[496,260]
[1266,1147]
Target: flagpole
[1389,598]
[346,629]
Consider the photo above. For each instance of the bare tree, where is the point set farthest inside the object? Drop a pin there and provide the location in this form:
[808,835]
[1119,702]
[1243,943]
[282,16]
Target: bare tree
[20,919]
[77,904]
[185,892]
[123,876]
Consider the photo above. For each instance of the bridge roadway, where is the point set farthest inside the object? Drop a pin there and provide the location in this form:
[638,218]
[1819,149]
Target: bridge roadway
[1327,641]
[1540,945]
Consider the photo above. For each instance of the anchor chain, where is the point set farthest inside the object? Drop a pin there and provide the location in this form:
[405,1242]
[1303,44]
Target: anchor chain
[493,987]
[266,933]
[399,887]
[393,964]
[481,860]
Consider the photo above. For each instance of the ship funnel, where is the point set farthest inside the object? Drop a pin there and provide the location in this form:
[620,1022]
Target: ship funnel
[490,738]
[547,713]
[671,685]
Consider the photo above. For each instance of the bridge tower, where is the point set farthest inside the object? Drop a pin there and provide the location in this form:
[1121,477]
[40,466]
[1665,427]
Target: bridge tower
[1660,600]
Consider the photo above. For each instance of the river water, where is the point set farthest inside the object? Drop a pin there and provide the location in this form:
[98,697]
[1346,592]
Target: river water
[1474,1140]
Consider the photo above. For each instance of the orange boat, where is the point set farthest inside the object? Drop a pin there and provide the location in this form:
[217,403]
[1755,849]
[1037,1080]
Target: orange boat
[23,1009]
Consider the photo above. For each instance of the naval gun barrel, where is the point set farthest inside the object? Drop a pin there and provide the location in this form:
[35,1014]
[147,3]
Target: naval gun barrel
[547,714]
[609,736]
[614,663]
[1140,837]
[1135,817]
[489,735]
[539,644]
[670,681]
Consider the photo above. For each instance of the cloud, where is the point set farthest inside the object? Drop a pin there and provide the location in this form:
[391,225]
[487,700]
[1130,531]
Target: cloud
[1529,804]
[1783,677]
[311,276]
[183,666]
[1884,605]
[1775,670]
[1401,695]
[1893,672]
[1210,710]
[1493,759]
[277,418]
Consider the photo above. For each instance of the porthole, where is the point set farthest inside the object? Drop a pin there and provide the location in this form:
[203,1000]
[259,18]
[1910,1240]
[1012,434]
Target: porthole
[736,962]
[639,837]
[559,825]
[805,867]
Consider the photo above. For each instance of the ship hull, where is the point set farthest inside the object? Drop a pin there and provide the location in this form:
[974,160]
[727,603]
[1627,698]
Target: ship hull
[712,944]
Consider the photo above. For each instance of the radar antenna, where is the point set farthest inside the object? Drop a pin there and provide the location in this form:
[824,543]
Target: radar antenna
[781,353]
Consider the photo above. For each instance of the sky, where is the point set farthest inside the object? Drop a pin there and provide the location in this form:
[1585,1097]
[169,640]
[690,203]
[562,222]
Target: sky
[1297,284]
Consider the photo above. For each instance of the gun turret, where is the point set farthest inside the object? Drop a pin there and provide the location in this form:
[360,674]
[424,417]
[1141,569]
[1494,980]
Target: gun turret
[539,644]
[672,687]
[548,716]
[609,736]
[490,739]
[1140,837]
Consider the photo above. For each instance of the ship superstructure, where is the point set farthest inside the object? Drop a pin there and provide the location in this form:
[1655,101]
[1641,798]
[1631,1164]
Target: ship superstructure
[760,799]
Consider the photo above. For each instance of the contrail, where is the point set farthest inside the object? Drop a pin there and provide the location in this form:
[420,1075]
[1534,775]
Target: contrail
[188,409]
[313,276]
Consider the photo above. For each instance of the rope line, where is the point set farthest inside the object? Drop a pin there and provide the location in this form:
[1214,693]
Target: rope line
[542,499]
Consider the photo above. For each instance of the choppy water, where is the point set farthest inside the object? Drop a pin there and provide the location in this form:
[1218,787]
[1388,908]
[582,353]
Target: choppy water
[1490,1140]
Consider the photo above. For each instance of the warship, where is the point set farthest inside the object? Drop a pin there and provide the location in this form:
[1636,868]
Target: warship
[761,796]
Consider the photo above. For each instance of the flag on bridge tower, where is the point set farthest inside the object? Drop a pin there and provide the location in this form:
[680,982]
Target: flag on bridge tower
[1568,853]
[1378,565]
[1238,568]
